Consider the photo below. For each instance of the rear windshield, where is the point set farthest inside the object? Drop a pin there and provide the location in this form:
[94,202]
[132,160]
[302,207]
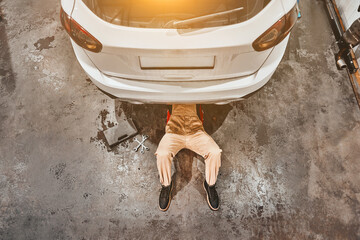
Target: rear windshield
[162,13]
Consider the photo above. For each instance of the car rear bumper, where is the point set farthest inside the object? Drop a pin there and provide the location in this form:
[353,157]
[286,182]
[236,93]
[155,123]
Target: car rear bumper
[218,91]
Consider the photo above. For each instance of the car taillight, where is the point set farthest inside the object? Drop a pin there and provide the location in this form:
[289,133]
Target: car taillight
[82,37]
[277,32]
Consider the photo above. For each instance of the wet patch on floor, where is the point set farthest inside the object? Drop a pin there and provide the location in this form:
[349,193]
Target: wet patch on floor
[100,139]
[2,17]
[44,43]
[58,170]
[7,76]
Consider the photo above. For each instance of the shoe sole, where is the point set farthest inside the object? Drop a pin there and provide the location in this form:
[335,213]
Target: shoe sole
[207,199]
[167,207]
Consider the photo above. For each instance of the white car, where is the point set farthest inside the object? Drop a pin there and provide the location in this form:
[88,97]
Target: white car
[179,51]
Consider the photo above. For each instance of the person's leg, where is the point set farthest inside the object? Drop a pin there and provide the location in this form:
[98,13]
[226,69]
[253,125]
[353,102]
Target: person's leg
[168,147]
[204,145]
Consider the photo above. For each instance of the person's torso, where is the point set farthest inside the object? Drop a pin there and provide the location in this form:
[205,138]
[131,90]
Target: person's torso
[184,120]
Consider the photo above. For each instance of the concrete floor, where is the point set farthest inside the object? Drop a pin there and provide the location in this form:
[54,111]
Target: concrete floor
[290,166]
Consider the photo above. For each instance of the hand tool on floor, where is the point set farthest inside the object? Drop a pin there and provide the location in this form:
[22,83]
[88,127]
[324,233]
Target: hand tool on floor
[120,132]
[141,144]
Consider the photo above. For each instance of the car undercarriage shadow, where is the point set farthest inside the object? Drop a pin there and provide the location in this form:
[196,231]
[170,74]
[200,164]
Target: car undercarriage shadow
[150,119]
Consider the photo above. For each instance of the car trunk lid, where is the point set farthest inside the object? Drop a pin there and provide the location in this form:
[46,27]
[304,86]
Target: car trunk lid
[178,54]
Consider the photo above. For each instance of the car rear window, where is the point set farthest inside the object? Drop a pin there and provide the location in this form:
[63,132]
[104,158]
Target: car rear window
[160,13]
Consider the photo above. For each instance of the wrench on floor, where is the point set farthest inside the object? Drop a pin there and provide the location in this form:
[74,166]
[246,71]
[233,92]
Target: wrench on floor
[141,144]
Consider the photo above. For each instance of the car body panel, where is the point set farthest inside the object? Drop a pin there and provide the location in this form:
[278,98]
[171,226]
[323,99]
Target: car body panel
[236,71]
[228,63]
[67,6]
[230,45]
[217,91]
[287,5]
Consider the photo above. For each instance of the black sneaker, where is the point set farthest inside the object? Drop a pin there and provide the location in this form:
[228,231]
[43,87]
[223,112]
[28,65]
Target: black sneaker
[165,197]
[211,196]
